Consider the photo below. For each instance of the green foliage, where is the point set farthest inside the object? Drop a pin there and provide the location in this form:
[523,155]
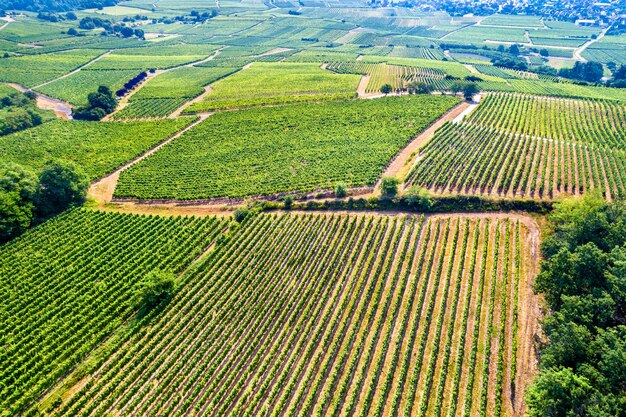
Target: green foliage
[62,184]
[241,214]
[341,190]
[386,88]
[154,288]
[389,186]
[290,148]
[583,280]
[100,104]
[418,198]
[559,393]
[18,188]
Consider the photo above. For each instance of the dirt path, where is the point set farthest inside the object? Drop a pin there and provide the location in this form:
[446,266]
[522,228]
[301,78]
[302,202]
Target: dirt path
[4,25]
[471,68]
[362,88]
[102,190]
[125,101]
[401,164]
[470,108]
[578,52]
[201,97]
[98,58]
[61,109]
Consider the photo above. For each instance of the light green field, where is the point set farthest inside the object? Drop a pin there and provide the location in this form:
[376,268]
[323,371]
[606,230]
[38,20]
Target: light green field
[277,83]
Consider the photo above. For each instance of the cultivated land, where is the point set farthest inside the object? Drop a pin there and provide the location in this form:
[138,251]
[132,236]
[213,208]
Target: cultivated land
[327,314]
[67,284]
[277,83]
[97,147]
[521,145]
[310,313]
[281,149]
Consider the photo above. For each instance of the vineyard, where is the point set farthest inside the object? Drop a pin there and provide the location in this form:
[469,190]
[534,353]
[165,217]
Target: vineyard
[395,75]
[277,83]
[527,146]
[334,315]
[66,285]
[98,148]
[272,150]
[162,95]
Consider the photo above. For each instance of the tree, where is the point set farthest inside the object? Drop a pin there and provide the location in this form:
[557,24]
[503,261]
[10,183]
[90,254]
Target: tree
[470,90]
[514,49]
[389,186]
[559,393]
[127,32]
[18,188]
[341,190]
[418,198]
[386,89]
[156,287]
[101,103]
[61,185]
[418,87]
[139,33]
[544,52]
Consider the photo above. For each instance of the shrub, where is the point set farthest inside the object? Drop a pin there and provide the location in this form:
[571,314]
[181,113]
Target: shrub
[389,187]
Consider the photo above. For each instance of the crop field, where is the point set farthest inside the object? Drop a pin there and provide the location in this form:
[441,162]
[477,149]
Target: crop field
[162,95]
[277,83]
[279,149]
[75,88]
[30,71]
[334,315]
[518,145]
[97,147]
[395,75]
[66,285]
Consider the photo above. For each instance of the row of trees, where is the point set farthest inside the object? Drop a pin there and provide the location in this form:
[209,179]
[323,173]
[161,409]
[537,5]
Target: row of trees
[89,23]
[25,199]
[583,281]
[132,83]
[468,88]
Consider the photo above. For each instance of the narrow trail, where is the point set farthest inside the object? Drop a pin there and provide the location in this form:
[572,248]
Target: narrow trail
[4,25]
[401,164]
[62,109]
[578,52]
[201,97]
[101,191]
[96,59]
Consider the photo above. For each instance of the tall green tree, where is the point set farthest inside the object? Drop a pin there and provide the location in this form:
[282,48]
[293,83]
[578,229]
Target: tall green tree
[61,185]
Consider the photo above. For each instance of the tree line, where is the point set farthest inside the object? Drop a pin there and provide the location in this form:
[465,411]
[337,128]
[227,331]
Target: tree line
[583,282]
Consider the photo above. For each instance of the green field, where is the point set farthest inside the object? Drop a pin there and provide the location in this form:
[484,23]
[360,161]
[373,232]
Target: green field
[163,94]
[97,147]
[333,315]
[281,149]
[67,285]
[277,83]
[520,145]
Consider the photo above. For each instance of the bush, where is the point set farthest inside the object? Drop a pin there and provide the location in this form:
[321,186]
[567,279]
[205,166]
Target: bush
[288,200]
[156,287]
[417,198]
[240,214]
[386,88]
[389,186]
[62,184]
[341,190]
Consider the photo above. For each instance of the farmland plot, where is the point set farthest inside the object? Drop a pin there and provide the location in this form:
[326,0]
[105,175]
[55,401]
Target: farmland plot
[98,148]
[273,150]
[336,315]
[277,83]
[529,146]
[67,284]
